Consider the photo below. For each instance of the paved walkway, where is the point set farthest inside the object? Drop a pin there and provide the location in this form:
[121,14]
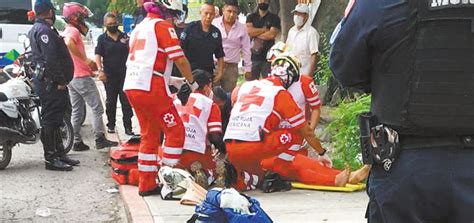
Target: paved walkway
[292,206]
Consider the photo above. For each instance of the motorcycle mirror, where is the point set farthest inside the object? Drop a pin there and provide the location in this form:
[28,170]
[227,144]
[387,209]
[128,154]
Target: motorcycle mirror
[22,38]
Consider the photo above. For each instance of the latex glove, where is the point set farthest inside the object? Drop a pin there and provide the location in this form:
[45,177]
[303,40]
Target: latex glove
[185,91]
[325,160]
[177,82]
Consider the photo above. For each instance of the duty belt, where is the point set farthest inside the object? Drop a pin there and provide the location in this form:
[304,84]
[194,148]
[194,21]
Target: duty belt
[419,142]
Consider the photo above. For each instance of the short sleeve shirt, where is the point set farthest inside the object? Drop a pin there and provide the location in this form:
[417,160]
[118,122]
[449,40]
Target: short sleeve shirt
[201,47]
[269,20]
[214,123]
[80,68]
[114,54]
[168,42]
[310,92]
[303,43]
[285,108]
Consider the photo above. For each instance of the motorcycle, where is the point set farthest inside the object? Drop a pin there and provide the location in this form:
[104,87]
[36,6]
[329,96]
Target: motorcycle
[20,111]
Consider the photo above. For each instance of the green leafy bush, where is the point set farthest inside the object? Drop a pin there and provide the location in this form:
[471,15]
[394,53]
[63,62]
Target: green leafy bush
[344,131]
[323,73]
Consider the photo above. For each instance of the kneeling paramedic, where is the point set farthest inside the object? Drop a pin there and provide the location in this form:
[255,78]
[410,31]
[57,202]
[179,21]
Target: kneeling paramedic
[253,132]
[202,122]
[154,46]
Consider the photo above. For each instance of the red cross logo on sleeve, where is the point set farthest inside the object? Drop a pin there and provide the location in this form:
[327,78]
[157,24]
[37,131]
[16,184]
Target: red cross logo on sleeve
[251,98]
[188,110]
[137,44]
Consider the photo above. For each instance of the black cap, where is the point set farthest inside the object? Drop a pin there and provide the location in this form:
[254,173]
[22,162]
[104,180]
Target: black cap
[42,6]
[219,92]
[232,3]
[202,77]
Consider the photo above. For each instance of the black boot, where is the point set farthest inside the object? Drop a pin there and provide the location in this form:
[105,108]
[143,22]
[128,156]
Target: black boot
[102,142]
[60,150]
[80,146]
[56,164]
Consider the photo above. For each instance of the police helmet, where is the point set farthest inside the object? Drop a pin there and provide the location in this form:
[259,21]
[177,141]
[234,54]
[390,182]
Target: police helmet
[287,68]
[42,6]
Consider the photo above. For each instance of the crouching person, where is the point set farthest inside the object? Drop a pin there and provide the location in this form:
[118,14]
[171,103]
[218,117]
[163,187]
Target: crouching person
[202,121]
[254,134]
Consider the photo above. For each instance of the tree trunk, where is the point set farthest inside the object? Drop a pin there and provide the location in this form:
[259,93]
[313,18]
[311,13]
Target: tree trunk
[286,17]
[329,14]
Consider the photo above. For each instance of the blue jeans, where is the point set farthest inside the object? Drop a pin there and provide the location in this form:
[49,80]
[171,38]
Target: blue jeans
[424,185]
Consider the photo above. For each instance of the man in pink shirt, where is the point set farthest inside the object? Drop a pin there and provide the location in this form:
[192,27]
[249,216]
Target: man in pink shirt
[82,88]
[235,40]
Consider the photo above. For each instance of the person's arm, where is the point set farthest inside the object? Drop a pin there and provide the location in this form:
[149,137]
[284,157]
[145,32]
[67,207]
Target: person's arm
[307,133]
[313,61]
[214,126]
[98,61]
[314,119]
[47,43]
[270,34]
[255,32]
[219,70]
[185,68]
[245,46]
[219,54]
[350,58]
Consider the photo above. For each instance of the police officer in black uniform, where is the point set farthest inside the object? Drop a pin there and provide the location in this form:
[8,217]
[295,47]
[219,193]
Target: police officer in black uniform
[416,58]
[54,71]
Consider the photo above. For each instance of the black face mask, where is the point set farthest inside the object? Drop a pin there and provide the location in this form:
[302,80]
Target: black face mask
[112,29]
[263,6]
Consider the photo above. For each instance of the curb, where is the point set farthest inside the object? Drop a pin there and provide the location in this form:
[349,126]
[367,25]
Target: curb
[137,209]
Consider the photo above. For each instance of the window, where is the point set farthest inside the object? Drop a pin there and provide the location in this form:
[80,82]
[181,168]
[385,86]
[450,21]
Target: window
[14,11]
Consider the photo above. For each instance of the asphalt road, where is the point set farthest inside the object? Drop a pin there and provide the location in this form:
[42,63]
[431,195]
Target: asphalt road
[27,190]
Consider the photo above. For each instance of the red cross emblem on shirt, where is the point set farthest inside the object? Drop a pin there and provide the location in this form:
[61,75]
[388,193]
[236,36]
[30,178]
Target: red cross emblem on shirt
[169,119]
[137,44]
[189,109]
[251,98]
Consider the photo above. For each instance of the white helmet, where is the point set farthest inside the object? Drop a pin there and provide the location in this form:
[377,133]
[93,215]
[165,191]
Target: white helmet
[286,67]
[176,5]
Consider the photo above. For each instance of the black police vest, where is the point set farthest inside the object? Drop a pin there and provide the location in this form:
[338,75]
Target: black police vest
[424,84]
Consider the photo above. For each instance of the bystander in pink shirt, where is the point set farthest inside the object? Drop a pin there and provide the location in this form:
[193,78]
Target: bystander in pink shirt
[80,67]
[237,39]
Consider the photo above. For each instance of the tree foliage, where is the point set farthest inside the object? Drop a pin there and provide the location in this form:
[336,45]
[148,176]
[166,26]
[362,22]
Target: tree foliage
[123,6]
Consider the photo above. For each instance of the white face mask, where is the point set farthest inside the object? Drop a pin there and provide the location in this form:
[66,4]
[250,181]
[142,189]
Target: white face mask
[299,21]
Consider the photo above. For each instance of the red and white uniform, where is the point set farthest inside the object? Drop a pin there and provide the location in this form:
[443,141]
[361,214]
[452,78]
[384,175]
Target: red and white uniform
[294,164]
[201,116]
[259,105]
[153,47]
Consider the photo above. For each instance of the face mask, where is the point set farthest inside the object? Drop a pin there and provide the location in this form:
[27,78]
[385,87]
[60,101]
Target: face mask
[299,21]
[263,6]
[112,29]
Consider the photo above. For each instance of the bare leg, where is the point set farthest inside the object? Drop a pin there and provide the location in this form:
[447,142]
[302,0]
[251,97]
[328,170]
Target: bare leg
[359,175]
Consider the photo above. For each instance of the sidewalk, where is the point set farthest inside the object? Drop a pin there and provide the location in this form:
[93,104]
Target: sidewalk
[292,206]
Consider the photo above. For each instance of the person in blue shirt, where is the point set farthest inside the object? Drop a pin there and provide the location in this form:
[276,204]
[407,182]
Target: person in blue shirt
[415,58]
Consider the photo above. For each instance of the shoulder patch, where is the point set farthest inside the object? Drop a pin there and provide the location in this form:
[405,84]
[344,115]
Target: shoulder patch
[44,38]
[215,35]
[313,87]
[172,33]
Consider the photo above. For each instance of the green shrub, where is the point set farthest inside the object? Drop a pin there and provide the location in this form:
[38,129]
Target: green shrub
[323,73]
[344,131]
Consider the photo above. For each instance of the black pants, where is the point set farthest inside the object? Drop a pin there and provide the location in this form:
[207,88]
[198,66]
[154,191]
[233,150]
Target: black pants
[424,185]
[113,89]
[54,104]
[260,69]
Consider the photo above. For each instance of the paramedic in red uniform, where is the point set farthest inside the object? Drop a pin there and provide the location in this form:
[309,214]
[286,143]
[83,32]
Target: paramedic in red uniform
[154,46]
[202,121]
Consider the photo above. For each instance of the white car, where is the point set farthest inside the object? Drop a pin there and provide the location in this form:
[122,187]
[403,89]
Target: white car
[13,24]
